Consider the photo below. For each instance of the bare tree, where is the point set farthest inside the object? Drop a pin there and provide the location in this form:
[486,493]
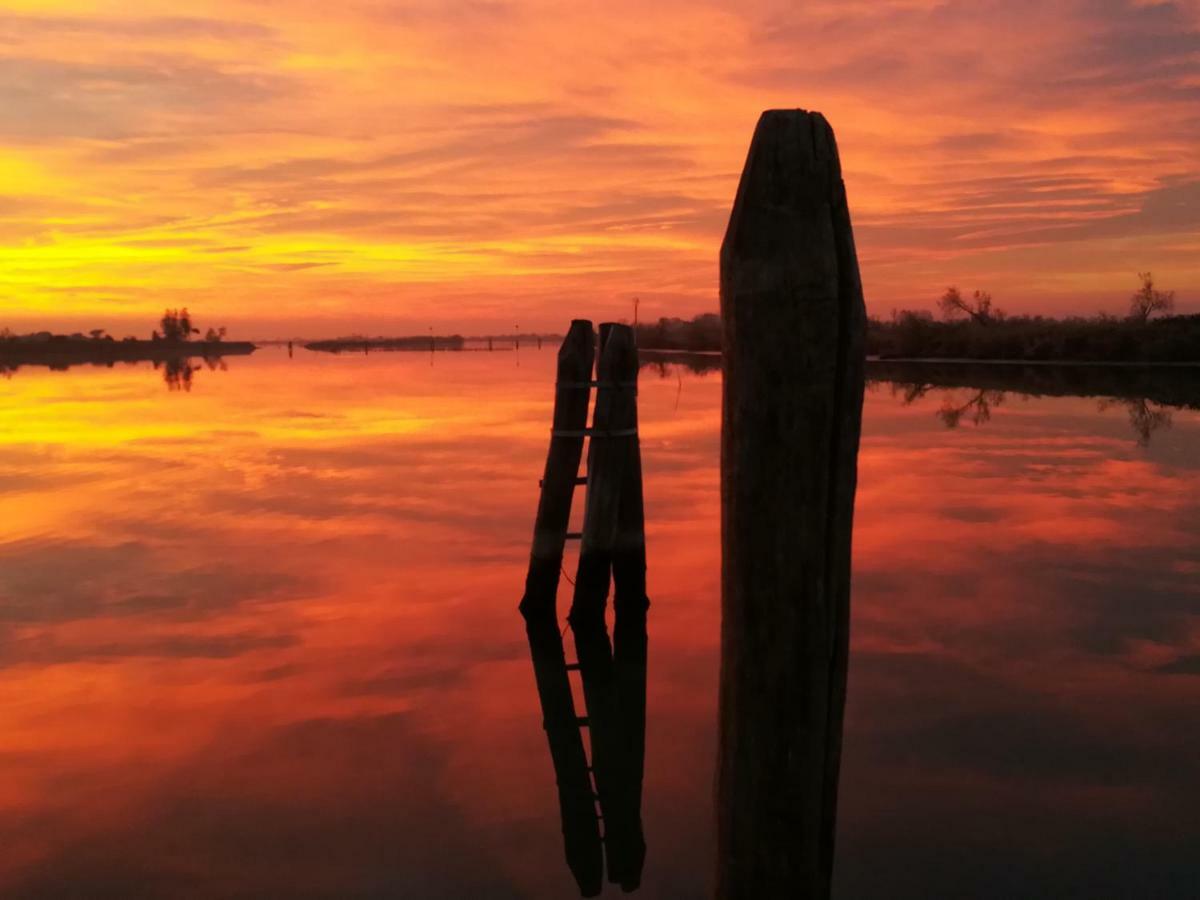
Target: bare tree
[979,307]
[1148,300]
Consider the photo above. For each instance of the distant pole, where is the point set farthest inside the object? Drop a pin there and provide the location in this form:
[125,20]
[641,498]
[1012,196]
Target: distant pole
[516,337]
[794,320]
[489,344]
[636,301]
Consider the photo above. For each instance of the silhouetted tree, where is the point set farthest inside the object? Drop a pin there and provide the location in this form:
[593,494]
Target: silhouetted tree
[96,333]
[170,324]
[979,308]
[1148,300]
[177,325]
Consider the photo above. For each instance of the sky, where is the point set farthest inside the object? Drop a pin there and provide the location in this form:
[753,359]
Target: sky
[313,168]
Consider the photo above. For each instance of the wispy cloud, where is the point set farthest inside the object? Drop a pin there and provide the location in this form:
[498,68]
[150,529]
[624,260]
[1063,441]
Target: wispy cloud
[510,155]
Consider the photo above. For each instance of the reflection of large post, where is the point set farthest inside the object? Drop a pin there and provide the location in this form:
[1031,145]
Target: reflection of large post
[581,830]
[793,315]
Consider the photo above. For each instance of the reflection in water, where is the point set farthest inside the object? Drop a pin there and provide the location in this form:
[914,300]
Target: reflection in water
[297,672]
[178,371]
[1149,395]
[977,410]
[1144,417]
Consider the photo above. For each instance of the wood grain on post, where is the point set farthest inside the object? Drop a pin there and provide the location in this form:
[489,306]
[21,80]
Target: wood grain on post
[794,321]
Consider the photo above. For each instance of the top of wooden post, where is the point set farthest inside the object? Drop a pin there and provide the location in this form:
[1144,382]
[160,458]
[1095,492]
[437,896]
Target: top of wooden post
[791,171]
[576,355]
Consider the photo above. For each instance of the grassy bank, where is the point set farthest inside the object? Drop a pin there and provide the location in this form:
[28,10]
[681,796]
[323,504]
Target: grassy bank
[912,335]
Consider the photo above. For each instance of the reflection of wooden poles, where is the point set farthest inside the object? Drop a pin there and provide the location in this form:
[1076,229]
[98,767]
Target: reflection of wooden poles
[792,308]
[576,801]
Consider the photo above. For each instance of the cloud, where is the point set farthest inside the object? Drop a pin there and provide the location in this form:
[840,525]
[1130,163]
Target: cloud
[498,155]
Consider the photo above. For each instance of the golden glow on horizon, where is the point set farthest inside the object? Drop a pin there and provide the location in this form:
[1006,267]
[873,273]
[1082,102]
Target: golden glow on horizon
[401,165]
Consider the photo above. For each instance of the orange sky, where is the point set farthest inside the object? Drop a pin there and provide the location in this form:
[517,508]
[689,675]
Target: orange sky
[311,168]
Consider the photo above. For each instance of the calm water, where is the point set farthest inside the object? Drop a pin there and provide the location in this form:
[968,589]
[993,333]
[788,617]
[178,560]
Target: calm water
[260,638]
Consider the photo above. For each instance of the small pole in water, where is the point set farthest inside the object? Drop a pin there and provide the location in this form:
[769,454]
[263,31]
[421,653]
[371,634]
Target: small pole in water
[793,333]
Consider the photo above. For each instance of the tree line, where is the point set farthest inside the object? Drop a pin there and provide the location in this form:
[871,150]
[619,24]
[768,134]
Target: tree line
[975,327]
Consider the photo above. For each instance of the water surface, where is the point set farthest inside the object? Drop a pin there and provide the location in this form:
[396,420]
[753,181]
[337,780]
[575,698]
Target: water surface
[258,636]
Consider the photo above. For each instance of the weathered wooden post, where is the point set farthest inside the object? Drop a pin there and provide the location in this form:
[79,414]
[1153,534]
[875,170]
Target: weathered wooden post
[793,316]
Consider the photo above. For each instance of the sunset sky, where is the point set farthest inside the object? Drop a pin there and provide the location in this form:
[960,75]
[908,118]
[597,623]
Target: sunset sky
[317,168]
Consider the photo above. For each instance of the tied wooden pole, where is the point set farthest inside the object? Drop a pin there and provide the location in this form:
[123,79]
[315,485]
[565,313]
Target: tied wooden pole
[581,829]
[794,321]
[630,605]
[618,786]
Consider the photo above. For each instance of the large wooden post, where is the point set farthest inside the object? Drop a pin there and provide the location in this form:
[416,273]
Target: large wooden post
[793,316]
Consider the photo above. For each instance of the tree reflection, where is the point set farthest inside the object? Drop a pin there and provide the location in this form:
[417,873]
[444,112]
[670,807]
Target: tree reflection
[977,410]
[1145,417]
[177,374]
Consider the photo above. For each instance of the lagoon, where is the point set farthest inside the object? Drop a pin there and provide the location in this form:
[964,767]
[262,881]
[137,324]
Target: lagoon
[259,636]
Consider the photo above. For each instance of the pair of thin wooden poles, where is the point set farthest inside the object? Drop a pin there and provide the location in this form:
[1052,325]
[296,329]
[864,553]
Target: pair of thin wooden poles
[612,548]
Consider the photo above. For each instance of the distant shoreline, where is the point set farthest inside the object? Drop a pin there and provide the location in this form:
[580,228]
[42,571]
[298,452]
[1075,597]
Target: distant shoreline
[917,336]
[666,353]
[62,353]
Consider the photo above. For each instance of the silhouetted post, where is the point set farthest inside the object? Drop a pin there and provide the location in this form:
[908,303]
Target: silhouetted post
[572,393]
[581,829]
[630,605]
[539,342]
[489,344]
[613,427]
[793,316]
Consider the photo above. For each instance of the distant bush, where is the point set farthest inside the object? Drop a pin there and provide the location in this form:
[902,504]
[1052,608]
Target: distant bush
[1037,338]
[698,334]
